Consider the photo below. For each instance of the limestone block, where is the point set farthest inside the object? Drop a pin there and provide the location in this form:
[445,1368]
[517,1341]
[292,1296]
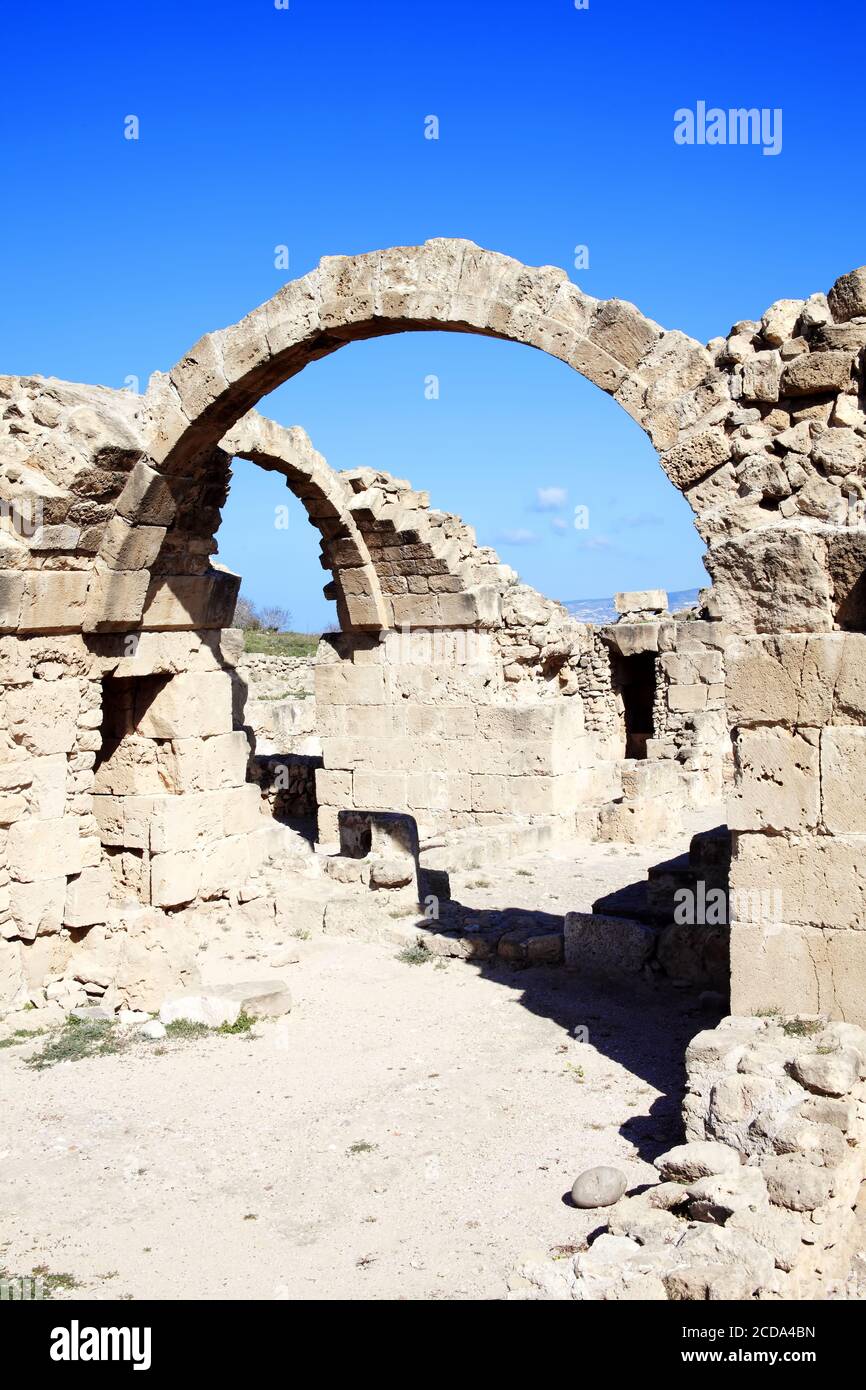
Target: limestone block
[175,878]
[798,970]
[695,635]
[204,764]
[146,498]
[334,788]
[87,897]
[622,330]
[44,849]
[843,779]
[109,813]
[192,705]
[490,793]
[777,785]
[772,580]
[225,865]
[645,821]
[379,791]
[132,768]
[36,908]
[762,373]
[154,960]
[11,598]
[127,547]
[697,456]
[783,679]
[347,684]
[779,321]
[213,1009]
[426,791]
[631,638]
[53,601]
[115,600]
[606,946]
[301,907]
[13,981]
[12,807]
[696,953]
[185,822]
[687,698]
[191,601]
[259,998]
[818,881]
[645,777]
[847,299]
[242,809]
[814,372]
[48,786]
[598,366]
[365,611]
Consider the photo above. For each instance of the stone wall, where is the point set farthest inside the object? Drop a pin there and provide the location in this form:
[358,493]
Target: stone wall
[760,1202]
[110,504]
[279,703]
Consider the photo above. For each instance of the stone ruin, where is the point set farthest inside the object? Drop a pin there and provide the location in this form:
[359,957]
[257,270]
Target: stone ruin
[453,696]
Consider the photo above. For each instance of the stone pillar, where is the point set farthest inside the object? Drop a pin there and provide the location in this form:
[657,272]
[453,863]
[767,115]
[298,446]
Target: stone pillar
[797,705]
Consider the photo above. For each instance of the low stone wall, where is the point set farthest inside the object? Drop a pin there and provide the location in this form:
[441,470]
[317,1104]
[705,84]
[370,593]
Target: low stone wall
[759,1203]
[287,783]
[277,677]
[279,703]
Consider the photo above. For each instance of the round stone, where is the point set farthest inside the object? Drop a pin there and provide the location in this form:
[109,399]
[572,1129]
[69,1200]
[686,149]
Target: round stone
[599,1187]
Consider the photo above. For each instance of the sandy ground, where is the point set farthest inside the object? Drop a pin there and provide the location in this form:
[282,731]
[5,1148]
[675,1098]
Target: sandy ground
[408,1131]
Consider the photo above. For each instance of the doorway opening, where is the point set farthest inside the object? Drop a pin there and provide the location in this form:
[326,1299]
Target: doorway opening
[634,678]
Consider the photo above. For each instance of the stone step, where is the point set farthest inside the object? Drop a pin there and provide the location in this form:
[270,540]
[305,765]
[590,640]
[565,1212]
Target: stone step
[476,848]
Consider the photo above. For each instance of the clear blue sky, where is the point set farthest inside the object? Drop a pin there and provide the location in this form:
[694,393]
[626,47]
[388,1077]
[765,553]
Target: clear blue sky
[261,127]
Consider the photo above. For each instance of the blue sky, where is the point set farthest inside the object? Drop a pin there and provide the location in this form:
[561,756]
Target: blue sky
[262,127]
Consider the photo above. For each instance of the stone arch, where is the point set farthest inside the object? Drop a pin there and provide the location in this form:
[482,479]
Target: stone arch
[327,501]
[665,380]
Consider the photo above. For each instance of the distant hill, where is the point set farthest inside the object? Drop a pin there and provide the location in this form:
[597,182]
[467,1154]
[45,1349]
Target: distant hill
[601,610]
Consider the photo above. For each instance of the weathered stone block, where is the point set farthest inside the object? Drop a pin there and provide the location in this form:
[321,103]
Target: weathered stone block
[175,878]
[641,600]
[777,784]
[772,580]
[11,597]
[606,946]
[695,457]
[379,791]
[798,970]
[87,897]
[38,850]
[843,780]
[115,600]
[127,547]
[818,881]
[36,908]
[198,704]
[191,601]
[847,298]
[146,498]
[814,372]
[53,601]
[205,764]
[347,684]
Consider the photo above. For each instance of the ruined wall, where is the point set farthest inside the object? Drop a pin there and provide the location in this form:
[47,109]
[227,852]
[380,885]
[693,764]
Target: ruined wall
[763,432]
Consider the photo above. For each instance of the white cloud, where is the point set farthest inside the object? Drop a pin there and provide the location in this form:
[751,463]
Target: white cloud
[519,536]
[596,543]
[558,524]
[550,499]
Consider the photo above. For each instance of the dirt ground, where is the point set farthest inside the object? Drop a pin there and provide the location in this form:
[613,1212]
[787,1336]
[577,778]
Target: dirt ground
[407,1131]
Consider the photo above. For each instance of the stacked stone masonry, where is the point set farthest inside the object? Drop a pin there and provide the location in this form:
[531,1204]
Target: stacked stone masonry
[110,504]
